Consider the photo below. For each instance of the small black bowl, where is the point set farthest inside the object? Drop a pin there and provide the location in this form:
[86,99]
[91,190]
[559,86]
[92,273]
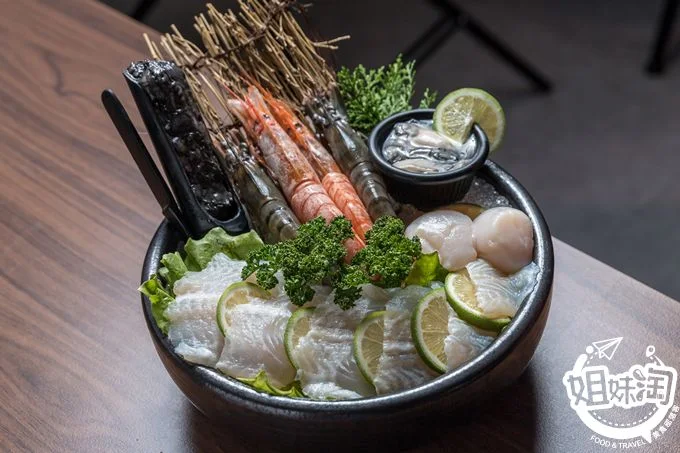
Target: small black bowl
[425,190]
[387,422]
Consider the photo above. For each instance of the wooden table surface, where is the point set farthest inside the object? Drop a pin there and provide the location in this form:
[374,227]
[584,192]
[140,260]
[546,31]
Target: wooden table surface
[78,371]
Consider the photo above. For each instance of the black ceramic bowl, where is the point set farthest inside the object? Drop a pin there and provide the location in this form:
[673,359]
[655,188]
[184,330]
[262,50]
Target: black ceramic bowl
[379,422]
[425,190]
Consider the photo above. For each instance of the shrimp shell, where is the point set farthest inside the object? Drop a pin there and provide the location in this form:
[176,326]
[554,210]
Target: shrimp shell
[346,198]
[351,153]
[298,180]
[337,185]
[278,150]
[266,206]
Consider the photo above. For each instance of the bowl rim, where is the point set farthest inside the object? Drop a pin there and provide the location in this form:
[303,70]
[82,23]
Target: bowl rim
[424,178]
[240,394]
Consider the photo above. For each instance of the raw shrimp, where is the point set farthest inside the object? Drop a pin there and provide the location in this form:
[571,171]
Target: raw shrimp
[333,180]
[298,180]
[266,206]
[351,153]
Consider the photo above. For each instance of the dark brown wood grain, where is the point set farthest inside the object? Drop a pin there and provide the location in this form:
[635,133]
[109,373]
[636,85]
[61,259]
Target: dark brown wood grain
[77,367]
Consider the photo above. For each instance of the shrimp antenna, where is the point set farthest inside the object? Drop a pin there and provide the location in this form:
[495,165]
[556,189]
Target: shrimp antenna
[229,90]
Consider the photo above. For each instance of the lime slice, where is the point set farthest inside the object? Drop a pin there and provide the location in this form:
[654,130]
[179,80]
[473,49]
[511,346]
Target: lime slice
[430,327]
[456,113]
[461,293]
[469,209]
[236,294]
[297,327]
[368,344]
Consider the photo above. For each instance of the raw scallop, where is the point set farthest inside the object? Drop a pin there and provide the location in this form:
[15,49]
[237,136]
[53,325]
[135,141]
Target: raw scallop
[447,232]
[193,329]
[505,238]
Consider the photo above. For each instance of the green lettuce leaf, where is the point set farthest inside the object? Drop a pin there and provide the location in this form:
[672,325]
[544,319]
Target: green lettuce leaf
[160,298]
[159,288]
[261,384]
[173,268]
[201,251]
[425,270]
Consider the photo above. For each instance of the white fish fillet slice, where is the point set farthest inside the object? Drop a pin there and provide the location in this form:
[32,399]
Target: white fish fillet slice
[464,342]
[329,391]
[254,341]
[326,366]
[193,329]
[400,366]
[499,295]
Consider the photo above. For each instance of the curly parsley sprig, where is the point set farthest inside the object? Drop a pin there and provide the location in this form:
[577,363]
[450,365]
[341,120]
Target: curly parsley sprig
[316,256]
[385,261]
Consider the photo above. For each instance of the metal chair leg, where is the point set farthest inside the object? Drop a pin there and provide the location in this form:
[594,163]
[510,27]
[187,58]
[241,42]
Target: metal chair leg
[657,61]
[454,19]
[433,38]
[507,54]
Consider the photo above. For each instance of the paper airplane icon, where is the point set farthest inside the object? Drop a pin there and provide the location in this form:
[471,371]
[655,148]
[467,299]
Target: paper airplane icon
[607,348]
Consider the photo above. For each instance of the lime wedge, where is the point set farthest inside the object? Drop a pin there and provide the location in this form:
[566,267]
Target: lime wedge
[368,344]
[461,293]
[430,327]
[236,294]
[459,110]
[297,327]
[469,209]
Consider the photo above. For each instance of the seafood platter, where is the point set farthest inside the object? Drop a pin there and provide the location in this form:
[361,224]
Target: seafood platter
[335,264]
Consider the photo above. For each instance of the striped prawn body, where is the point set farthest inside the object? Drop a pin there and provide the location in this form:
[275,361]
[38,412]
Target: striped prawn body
[346,198]
[266,206]
[336,183]
[349,150]
[299,182]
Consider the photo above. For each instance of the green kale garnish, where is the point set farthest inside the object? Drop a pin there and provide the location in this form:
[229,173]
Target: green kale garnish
[371,95]
[316,256]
